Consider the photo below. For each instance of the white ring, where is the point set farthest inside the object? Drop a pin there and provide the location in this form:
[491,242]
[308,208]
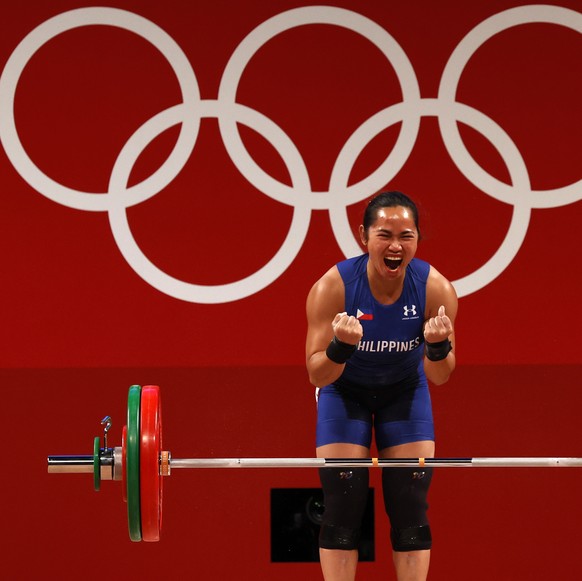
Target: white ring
[206,294]
[506,148]
[447,93]
[265,32]
[69,21]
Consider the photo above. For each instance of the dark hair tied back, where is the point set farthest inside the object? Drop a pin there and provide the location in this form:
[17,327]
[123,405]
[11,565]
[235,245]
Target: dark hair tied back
[389,200]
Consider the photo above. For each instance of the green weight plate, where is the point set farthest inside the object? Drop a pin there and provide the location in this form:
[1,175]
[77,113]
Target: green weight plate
[96,464]
[132,462]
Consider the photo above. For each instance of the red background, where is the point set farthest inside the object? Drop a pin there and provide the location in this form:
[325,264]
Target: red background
[79,325]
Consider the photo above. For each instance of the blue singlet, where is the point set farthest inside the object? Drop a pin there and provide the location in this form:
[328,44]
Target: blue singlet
[383,385]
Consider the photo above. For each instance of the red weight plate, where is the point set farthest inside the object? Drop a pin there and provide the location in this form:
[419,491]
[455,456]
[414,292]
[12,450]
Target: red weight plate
[160,450]
[124,462]
[150,449]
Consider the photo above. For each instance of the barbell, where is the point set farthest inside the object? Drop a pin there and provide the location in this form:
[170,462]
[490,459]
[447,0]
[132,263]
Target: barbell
[141,463]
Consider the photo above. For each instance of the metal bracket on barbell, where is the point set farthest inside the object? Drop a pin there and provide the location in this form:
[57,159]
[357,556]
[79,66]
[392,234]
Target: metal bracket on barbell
[141,463]
[106,421]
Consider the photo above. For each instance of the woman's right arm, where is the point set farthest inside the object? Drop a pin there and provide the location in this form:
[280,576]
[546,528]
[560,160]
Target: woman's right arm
[325,318]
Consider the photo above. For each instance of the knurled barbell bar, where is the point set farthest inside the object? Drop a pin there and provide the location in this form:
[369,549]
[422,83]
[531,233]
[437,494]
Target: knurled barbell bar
[141,463]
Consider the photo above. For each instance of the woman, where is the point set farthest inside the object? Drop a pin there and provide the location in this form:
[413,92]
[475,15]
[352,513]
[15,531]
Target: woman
[379,325]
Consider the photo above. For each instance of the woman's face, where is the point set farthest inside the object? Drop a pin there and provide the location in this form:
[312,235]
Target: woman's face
[392,241]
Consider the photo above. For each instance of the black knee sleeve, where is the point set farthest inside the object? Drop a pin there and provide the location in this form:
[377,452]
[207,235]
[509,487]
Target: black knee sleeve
[345,494]
[405,491]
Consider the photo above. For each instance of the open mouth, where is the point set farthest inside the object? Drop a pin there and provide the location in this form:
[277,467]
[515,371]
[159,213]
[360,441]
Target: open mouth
[392,262]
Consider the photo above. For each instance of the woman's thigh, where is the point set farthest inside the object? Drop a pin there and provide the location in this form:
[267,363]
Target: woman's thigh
[420,449]
[342,451]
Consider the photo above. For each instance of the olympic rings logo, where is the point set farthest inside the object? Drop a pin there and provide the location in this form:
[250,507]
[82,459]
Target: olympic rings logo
[299,194]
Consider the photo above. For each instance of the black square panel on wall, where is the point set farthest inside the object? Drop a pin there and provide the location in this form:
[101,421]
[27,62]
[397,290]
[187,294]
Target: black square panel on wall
[296,515]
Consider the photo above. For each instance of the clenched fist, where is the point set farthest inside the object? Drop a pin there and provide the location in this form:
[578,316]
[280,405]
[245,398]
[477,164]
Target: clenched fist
[438,328]
[347,328]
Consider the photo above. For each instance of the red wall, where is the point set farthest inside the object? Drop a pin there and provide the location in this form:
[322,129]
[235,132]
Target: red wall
[83,317]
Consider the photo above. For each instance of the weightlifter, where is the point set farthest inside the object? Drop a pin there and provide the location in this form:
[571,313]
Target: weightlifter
[379,326]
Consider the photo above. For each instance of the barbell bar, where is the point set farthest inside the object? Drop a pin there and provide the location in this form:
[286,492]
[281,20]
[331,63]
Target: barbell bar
[141,463]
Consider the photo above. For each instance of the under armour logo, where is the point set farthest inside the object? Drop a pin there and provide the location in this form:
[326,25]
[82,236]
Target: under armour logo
[411,310]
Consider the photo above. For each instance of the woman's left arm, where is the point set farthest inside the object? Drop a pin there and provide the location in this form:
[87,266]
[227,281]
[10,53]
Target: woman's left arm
[439,328]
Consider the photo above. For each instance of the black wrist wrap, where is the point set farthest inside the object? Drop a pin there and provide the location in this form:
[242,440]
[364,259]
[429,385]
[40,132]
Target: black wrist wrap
[438,351]
[338,351]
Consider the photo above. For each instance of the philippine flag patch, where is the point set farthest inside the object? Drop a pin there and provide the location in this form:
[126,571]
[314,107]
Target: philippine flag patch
[363,316]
